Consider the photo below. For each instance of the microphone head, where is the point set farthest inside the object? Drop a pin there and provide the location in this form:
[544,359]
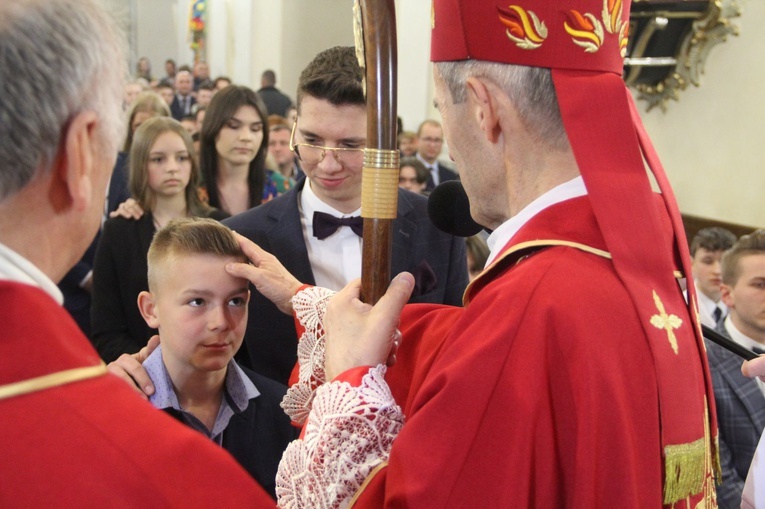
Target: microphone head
[449,209]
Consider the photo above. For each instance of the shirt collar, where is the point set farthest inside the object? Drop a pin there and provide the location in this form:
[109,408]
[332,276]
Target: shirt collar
[238,389]
[431,166]
[708,303]
[14,267]
[502,235]
[739,337]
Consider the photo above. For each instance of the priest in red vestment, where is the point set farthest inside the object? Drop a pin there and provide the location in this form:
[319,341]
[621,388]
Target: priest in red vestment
[71,434]
[574,376]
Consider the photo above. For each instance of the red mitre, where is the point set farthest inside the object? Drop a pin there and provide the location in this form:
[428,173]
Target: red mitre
[584,42]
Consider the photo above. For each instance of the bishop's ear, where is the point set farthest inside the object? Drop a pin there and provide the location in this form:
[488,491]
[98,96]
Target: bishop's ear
[148,309]
[482,99]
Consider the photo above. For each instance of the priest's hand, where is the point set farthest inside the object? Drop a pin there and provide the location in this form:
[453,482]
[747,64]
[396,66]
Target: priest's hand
[358,334]
[130,368]
[755,367]
[267,274]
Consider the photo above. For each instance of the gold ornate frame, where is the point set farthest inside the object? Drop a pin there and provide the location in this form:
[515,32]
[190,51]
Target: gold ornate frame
[708,29]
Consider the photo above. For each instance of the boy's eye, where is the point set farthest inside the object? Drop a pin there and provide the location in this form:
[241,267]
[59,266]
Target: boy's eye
[236,301]
[196,302]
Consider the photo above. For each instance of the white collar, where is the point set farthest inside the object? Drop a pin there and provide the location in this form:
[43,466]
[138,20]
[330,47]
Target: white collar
[739,337]
[14,267]
[502,235]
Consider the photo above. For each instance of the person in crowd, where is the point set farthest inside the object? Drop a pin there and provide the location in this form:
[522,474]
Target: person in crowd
[220,83]
[201,313]
[291,115]
[170,70]
[77,285]
[430,141]
[740,400]
[184,100]
[276,102]
[73,435]
[477,254]
[204,95]
[753,495]
[201,75]
[279,149]
[189,122]
[575,375]
[707,248]
[143,69]
[413,176]
[407,143]
[132,90]
[163,180]
[166,92]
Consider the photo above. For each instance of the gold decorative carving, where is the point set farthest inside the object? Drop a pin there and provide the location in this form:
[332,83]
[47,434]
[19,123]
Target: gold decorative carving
[707,30]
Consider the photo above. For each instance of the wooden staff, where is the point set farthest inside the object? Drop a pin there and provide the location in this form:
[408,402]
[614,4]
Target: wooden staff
[376,20]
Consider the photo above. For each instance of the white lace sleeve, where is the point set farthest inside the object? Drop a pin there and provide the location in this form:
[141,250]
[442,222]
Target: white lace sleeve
[350,431]
[310,305]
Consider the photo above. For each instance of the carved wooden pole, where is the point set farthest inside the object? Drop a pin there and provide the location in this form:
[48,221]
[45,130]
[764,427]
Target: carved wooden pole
[376,20]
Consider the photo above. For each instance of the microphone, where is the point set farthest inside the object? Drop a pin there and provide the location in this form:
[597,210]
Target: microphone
[449,209]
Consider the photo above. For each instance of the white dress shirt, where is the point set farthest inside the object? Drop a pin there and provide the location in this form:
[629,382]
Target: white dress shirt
[14,267]
[336,260]
[707,308]
[502,235]
[432,168]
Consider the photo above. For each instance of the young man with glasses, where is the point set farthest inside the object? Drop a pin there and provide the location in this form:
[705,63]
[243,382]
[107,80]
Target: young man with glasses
[301,228]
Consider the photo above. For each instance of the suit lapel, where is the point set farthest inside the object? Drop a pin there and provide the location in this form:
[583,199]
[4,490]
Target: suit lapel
[745,389]
[285,234]
[404,235]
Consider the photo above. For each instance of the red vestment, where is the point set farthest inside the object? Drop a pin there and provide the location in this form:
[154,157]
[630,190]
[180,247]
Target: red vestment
[93,442]
[542,391]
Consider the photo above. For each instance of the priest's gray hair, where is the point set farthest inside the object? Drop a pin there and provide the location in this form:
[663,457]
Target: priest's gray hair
[58,58]
[529,88]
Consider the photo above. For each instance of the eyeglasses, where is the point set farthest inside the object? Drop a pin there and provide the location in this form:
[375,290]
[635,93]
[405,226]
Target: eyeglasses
[435,141]
[314,154]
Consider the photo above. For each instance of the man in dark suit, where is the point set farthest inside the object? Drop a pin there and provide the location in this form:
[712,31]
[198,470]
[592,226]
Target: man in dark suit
[329,136]
[740,400]
[430,140]
[183,102]
[276,102]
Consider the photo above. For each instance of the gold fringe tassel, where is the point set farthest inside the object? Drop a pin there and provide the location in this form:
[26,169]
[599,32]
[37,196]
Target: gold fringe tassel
[684,470]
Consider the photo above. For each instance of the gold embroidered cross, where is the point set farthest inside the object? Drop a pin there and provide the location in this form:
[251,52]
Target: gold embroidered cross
[666,322]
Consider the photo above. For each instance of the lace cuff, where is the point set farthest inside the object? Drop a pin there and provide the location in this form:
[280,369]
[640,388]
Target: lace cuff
[349,432]
[310,306]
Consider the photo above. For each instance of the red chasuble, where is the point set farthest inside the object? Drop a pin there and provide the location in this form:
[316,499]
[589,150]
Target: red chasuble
[543,390]
[83,438]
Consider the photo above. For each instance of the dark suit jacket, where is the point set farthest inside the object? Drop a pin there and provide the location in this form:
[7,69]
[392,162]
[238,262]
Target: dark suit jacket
[119,275]
[175,107]
[435,258]
[257,437]
[276,102]
[444,174]
[740,417]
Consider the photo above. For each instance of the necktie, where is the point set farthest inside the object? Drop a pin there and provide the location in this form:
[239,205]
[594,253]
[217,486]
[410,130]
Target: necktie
[758,351]
[717,314]
[325,225]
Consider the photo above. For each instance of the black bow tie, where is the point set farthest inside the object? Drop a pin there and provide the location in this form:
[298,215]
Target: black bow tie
[325,225]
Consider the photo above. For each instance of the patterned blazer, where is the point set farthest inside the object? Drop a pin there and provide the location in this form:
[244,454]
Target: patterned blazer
[740,417]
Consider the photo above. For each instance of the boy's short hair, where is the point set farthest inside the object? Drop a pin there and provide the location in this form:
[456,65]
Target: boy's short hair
[752,244]
[421,172]
[335,76]
[712,239]
[187,236]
